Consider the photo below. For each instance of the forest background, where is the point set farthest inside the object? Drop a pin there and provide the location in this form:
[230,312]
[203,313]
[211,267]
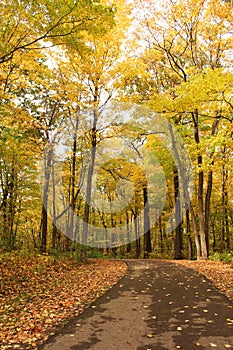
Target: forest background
[58,61]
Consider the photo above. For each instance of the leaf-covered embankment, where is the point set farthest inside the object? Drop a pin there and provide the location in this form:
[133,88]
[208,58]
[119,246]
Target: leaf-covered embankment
[39,293]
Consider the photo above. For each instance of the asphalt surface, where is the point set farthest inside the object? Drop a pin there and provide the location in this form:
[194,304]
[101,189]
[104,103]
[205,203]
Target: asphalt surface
[157,305]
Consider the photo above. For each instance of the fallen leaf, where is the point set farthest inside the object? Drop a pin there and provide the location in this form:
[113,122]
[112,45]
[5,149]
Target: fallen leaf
[149,335]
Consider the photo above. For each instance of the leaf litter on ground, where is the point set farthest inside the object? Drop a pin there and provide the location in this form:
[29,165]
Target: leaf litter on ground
[40,293]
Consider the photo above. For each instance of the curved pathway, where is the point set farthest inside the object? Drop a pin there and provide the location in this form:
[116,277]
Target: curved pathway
[158,305]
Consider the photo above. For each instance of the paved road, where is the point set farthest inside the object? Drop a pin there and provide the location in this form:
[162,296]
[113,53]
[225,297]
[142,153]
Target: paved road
[156,306]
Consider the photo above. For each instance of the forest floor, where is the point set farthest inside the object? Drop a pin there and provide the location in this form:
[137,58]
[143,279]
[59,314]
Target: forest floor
[40,293]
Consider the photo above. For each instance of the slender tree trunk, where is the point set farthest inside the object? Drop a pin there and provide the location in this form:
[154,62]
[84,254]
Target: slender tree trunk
[54,227]
[4,210]
[189,239]
[228,240]
[17,221]
[161,235]
[207,209]
[89,185]
[147,234]
[154,245]
[128,248]
[105,234]
[113,225]
[12,204]
[209,187]
[190,247]
[138,240]
[225,232]
[214,235]
[44,215]
[204,252]
[196,234]
[71,233]
[179,230]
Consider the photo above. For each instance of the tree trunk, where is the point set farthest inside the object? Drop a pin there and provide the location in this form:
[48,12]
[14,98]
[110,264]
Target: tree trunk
[71,233]
[214,236]
[89,186]
[12,205]
[161,235]
[54,229]
[207,208]
[128,248]
[209,187]
[44,215]
[179,231]
[225,223]
[147,235]
[4,211]
[138,240]
[228,240]
[204,252]
[190,245]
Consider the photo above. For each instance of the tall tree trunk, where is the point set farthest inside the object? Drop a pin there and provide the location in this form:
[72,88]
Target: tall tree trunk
[89,185]
[113,225]
[207,208]
[12,204]
[204,252]
[178,218]
[54,227]
[105,234]
[138,240]
[147,235]
[71,233]
[209,187]
[128,248]
[214,236]
[228,240]
[189,239]
[161,235]
[3,209]
[44,214]
[225,234]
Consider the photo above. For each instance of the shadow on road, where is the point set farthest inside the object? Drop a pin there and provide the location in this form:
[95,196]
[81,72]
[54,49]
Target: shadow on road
[156,306]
